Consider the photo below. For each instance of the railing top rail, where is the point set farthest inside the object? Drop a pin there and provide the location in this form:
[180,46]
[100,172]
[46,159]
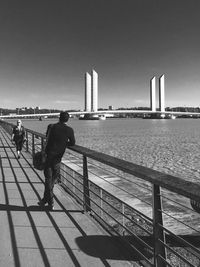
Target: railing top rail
[172,183]
[169,182]
[36,133]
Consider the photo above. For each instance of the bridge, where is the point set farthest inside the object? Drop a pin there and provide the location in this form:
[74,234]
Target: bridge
[161,114]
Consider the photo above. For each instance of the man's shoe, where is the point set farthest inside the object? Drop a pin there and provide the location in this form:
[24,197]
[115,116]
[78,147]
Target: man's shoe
[42,202]
[51,207]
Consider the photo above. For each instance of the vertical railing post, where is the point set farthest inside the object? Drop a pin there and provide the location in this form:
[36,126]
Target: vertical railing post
[27,141]
[86,191]
[101,202]
[123,218]
[159,237]
[33,144]
[9,129]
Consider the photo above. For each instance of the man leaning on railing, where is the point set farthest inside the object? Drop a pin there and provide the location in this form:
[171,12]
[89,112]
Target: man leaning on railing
[59,137]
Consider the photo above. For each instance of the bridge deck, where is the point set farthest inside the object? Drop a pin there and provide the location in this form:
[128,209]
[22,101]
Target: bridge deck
[34,237]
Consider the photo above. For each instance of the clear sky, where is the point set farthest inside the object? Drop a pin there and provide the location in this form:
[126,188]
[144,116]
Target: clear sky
[47,46]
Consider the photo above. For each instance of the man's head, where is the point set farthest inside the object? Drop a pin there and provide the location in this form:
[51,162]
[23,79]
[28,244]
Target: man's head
[64,116]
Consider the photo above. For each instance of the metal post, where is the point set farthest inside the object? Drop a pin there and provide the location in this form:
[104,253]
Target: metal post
[33,144]
[26,140]
[123,220]
[86,191]
[123,212]
[159,237]
[101,202]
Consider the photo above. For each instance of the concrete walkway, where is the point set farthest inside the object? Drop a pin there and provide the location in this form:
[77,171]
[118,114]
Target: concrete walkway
[31,237]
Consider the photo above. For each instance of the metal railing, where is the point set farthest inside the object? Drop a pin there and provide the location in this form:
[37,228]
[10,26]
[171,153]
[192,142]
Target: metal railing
[148,210]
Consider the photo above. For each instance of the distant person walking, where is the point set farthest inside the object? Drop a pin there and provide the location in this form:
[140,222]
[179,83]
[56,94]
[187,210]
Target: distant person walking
[59,137]
[18,137]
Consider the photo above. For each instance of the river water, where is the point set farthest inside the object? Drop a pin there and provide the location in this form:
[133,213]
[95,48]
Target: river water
[170,146]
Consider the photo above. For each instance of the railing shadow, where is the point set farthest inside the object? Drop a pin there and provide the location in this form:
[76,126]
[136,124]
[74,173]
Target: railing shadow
[97,246]
[9,207]
[104,247]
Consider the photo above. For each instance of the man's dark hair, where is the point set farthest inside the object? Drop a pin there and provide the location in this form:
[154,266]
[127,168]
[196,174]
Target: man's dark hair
[64,116]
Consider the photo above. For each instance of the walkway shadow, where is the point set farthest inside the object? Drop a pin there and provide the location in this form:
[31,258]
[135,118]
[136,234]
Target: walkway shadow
[8,207]
[105,247]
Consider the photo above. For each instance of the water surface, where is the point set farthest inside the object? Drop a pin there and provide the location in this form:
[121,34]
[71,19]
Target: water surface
[170,146]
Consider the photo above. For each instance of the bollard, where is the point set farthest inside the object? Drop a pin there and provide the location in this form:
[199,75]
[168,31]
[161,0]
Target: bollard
[33,144]
[27,141]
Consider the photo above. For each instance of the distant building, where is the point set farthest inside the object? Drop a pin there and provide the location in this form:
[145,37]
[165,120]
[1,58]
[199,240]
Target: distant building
[110,108]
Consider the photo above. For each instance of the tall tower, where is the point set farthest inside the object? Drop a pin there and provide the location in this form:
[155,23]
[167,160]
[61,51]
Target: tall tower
[162,93]
[153,94]
[94,104]
[87,92]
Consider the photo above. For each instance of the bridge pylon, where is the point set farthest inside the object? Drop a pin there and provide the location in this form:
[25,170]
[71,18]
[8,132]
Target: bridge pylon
[162,93]
[91,91]
[153,94]
[87,92]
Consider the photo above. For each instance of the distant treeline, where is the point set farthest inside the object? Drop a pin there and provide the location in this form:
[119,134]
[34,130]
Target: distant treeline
[184,109]
[178,109]
[19,111]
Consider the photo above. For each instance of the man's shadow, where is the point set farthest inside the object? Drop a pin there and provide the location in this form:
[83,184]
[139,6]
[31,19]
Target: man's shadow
[9,207]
